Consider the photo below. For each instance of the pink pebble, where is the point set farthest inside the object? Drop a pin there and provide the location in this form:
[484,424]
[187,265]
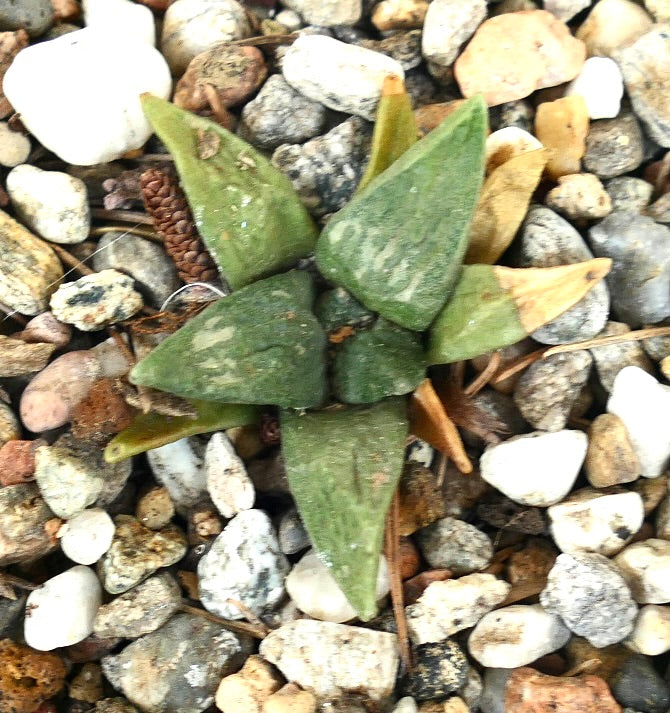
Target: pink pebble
[17,461]
[46,328]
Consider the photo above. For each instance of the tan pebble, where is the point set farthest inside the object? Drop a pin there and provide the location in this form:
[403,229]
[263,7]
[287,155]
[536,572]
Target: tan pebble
[429,116]
[246,440]
[562,126]
[421,499]
[652,491]
[29,269]
[531,563]
[247,690]
[455,704]
[507,143]
[410,559]
[610,458]
[543,53]
[580,196]
[9,425]
[660,9]
[665,367]
[513,6]
[290,699]
[579,652]
[528,691]
[432,707]
[399,14]
[155,509]
[51,396]
[611,25]
[87,684]
[46,328]
[18,358]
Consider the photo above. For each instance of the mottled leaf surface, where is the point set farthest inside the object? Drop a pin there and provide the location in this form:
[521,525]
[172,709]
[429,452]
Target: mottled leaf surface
[385,360]
[343,466]
[398,246]
[245,209]
[260,345]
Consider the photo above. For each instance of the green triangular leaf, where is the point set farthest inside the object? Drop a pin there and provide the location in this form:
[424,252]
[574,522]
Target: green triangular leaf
[398,246]
[246,210]
[343,466]
[260,345]
[386,360]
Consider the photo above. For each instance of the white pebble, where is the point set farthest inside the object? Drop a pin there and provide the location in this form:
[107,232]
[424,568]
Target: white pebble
[128,21]
[448,24]
[595,521]
[290,19]
[87,536]
[601,84]
[651,634]
[537,468]
[229,485]
[192,26]
[314,590]
[53,204]
[179,468]
[80,94]
[516,636]
[644,406]
[646,567]
[344,77]
[406,705]
[61,612]
[506,143]
[456,604]
[327,13]
[14,146]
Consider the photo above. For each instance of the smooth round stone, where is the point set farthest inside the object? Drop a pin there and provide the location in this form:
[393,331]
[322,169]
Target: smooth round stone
[228,484]
[611,25]
[638,685]
[507,143]
[53,204]
[596,521]
[34,16]
[516,635]
[87,536]
[513,466]
[129,21]
[646,567]
[601,84]
[628,193]
[580,196]
[399,14]
[46,328]
[651,633]
[614,146]
[448,25]
[44,84]
[314,590]
[61,612]
[610,458]
[453,544]
[14,146]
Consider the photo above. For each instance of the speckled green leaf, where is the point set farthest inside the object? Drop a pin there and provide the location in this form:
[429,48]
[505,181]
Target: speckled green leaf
[480,316]
[246,210]
[260,345]
[152,430]
[399,245]
[385,360]
[343,466]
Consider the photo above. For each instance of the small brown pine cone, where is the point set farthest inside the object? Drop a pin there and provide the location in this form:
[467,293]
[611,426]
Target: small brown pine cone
[166,203]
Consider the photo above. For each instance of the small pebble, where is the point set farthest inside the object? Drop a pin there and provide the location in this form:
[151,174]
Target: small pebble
[439,669]
[360,660]
[140,610]
[651,633]
[14,146]
[501,512]
[34,16]
[513,466]
[247,690]
[46,328]
[447,26]
[87,536]
[660,209]
[61,612]
[612,358]
[291,533]
[646,567]
[593,600]
[420,498]
[404,47]
[114,705]
[601,85]
[244,564]
[128,21]
[179,468]
[652,491]
[565,9]
[614,146]
[610,457]
[612,24]
[596,521]
[660,9]
[451,606]
[507,143]
[290,699]
[289,19]
[155,508]
[327,13]
[137,552]
[17,461]
[399,14]
[548,389]
[18,358]
[638,685]
[629,193]
[187,658]
[562,126]
[455,545]
[579,196]
[313,589]
[531,563]
[70,124]
[544,54]
[228,484]
[516,636]
[344,77]
[644,407]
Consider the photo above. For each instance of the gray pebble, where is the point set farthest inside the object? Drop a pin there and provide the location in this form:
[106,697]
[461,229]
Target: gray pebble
[146,262]
[660,209]
[499,511]
[292,535]
[639,281]
[177,668]
[614,146]
[612,358]
[404,47]
[113,705]
[34,16]
[548,389]
[547,240]
[628,193]
[498,414]
[140,610]
[456,545]
[23,516]
[638,685]
[439,669]
[517,113]
[658,347]
[326,170]
[280,115]
[11,612]
[421,88]
[591,596]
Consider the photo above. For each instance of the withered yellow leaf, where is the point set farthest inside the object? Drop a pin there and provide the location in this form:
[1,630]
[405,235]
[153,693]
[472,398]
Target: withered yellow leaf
[502,206]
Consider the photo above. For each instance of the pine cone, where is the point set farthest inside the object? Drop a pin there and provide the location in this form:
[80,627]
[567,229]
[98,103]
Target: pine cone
[166,204]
